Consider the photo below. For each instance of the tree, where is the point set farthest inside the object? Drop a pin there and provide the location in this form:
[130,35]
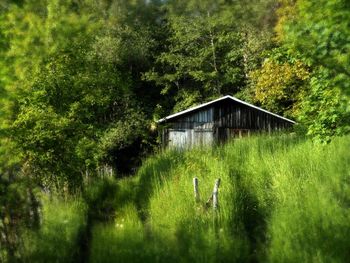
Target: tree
[313,77]
[81,79]
[281,83]
[319,32]
[203,60]
[214,55]
[325,110]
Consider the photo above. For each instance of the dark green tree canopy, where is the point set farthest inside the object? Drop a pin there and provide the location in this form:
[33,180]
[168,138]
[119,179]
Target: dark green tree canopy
[81,82]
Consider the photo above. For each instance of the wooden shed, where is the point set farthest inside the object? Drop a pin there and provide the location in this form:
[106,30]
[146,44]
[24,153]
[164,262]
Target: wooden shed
[217,121]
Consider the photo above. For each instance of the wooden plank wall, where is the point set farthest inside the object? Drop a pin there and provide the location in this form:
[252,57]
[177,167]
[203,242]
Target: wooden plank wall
[220,121]
[239,116]
[203,119]
[188,138]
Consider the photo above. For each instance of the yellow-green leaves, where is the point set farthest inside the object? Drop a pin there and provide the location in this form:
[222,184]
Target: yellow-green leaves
[278,85]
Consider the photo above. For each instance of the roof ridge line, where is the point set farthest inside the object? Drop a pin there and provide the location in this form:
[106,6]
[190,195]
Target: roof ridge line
[219,99]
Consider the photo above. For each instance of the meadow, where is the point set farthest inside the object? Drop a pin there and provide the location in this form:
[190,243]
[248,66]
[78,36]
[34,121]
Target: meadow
[281,199]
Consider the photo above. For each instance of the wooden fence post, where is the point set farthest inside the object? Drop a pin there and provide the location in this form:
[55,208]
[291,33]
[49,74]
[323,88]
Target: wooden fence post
[195,189]
[216,193]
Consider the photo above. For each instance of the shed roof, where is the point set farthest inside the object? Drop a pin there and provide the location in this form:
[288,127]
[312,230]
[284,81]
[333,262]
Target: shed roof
[217,100]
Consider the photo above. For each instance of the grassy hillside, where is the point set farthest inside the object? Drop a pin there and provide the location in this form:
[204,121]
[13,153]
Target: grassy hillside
[282,199]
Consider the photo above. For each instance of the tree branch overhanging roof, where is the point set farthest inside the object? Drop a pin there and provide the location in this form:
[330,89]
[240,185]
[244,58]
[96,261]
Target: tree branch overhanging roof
[220,99]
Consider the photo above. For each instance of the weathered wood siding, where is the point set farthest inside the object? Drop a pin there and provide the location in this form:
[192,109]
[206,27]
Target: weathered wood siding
[229,114]
[187,138]
[203,119]
[219,122]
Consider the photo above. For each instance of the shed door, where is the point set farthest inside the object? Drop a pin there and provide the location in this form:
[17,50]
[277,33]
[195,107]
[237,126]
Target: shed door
[179,138]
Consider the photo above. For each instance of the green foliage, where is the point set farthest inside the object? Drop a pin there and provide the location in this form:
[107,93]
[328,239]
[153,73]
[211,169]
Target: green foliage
[196,52]
[60,234]
[39,62]
[77,78]
[320,32]
[212,56]
[323,43]
[81,81]
[122,134]
[280,84]
[73,94]
[317,88]
[326,111]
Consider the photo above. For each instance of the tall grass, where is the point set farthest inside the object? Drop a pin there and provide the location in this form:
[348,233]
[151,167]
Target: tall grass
[281,199]
[194,231]
[58,239]
[122,240]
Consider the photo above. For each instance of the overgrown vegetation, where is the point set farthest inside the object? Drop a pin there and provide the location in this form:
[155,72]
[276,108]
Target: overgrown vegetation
[59,236]
[82,83]
[282,199]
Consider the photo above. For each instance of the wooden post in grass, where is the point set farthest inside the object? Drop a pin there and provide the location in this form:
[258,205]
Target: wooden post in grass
[195,189]
[216,193]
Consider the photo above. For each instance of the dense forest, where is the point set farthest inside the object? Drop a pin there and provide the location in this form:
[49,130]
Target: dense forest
[83,82]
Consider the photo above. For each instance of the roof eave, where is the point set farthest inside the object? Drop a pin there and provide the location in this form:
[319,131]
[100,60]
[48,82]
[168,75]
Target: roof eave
[219,99]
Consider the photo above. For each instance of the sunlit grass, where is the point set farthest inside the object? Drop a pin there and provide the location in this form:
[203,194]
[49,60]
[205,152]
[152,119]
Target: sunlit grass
[281,199]
[121,240]
[59,235]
